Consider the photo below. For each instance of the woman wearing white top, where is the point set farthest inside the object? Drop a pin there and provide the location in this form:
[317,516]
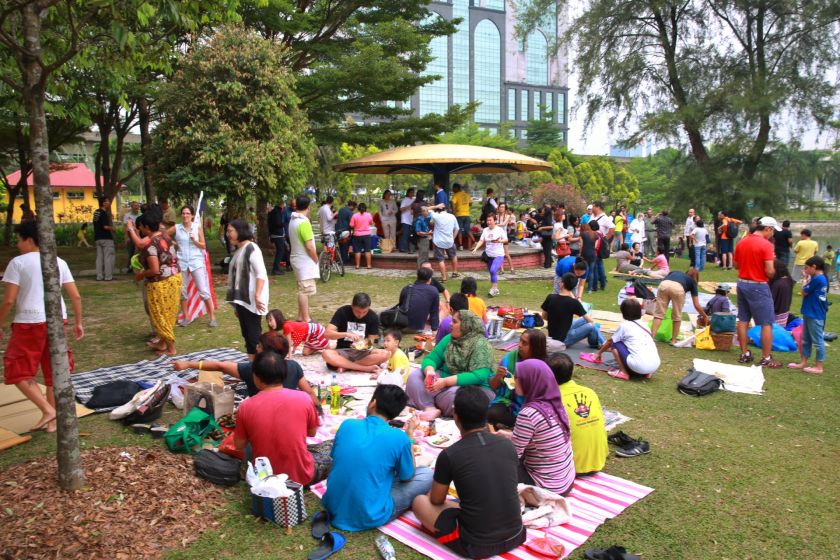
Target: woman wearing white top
[507,221]
[247,289]
[388,214]
[637,231]
[493,239]
[189,238]
[632,345]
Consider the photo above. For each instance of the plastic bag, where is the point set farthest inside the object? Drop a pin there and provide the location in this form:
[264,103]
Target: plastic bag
[783,341]
[666,328]
[703,339]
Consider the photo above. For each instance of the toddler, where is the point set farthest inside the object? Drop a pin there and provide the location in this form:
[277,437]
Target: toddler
[313,336]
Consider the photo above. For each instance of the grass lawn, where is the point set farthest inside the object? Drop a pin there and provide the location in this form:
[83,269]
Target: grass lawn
[736,476]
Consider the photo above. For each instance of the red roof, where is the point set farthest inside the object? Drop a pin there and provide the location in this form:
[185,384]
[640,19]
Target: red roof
[63,175]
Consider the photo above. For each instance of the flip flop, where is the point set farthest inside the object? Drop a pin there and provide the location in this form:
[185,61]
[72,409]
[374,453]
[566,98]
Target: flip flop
[330,544]
[591,358]
[320,524]
[812,370]
[795,365]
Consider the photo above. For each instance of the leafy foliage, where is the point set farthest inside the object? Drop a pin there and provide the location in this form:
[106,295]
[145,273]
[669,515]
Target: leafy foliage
[552,193]
[471,135]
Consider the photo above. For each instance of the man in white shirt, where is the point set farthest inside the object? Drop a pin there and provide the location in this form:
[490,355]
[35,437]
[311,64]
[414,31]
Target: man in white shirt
[443,236]
[131,215]
[326,217]
[687,229]
[637,231]
[28,347]
[303,256]
[406,217]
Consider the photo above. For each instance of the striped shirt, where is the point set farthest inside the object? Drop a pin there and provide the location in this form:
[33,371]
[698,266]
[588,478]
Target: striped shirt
[545,448]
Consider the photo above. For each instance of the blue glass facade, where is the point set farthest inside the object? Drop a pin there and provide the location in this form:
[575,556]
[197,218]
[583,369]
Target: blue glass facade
[461,53]
[487,72]
[434,97]
[536,59]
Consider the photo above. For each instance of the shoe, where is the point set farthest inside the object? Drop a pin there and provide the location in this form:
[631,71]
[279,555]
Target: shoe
[141,399]
[618,374]
[213,324]
[639,448]
[455,275]
[621,439]
[746,358]
[769,362]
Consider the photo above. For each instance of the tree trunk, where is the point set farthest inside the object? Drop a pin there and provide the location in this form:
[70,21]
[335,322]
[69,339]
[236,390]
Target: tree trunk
[70,473]
[144,114]
[262,222]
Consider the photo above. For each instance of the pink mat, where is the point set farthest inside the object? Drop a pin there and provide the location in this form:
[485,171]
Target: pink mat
[593,499]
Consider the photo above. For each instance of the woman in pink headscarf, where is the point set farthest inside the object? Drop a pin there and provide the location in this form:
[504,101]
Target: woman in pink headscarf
[541,434]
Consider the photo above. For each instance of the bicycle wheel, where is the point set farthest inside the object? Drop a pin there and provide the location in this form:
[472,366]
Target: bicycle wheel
[324,266]
[338,263]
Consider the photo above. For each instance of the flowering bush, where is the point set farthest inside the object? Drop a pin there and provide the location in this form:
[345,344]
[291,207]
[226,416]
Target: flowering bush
[552,193]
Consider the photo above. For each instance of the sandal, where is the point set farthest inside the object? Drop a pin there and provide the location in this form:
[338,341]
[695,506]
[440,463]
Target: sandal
[746,358]
[320,525]
[813,370]
[591,358]
[769,362]
[330,544]
[618,374]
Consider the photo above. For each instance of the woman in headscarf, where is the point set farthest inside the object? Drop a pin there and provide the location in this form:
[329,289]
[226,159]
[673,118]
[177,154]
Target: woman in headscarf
[463,357]
[506,405]
[541,434]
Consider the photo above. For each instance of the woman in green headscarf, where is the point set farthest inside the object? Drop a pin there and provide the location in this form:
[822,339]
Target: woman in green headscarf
[463,357]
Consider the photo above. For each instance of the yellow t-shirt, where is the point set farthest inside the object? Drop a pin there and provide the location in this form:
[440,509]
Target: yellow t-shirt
[586,421]
[804,249]
[478,307]
[619,224]
[399,360]
[460,204]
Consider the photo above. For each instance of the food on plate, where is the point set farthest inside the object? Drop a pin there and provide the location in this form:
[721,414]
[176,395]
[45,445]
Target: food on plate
[438,440]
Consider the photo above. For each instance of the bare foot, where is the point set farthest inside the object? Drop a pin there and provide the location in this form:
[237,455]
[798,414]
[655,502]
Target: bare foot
[428,414]
[796,366]
[44,422]
[372,369]
[814,370]
[339,369]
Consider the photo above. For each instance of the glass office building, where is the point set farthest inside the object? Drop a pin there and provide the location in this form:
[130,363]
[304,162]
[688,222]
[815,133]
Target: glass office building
[513,78]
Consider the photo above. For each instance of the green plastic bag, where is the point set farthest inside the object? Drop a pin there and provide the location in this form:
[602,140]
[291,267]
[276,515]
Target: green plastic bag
[187,435]
[666,328]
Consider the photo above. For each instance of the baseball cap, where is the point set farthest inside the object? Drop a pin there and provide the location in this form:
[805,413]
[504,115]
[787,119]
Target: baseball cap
[767,221]
[724,286]
[589,207]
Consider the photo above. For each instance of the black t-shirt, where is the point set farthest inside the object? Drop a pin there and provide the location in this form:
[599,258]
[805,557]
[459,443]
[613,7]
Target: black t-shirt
[294,373]
[683,280]
[780,241]
[438,286]
[478,463]
[101,218]
[546,220]
[345,321]
[561,312]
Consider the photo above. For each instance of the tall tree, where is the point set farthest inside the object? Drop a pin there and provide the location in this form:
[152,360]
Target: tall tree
[231,125]
[543,134]
[707,72]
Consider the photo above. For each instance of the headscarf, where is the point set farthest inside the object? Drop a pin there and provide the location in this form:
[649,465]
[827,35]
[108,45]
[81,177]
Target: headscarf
[541,390]
[471,351]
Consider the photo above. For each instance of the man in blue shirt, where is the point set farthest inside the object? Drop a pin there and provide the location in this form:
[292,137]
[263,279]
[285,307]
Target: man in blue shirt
[342,224]
[373,478]
[814,309]
[422,235]
[441,196]
[575,265]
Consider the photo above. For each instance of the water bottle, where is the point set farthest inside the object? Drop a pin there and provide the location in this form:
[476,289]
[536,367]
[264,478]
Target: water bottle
[386,550]
[335,396]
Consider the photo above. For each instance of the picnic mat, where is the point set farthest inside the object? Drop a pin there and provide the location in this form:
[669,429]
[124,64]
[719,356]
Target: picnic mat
[738,379]
[18,414]
[593,500]
[712,286]
[152,370]
[574,352]
[646,280]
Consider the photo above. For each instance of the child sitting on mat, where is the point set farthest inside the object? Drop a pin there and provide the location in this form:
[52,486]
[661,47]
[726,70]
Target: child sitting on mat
[398,360]
[632,345]
[313,336]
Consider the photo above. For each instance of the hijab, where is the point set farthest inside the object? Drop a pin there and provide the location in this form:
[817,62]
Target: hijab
[471,351]
[541,390]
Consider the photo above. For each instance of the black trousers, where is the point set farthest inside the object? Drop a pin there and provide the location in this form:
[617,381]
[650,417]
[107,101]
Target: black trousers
[665,244]
[279,253]
[547,243]
[250,325]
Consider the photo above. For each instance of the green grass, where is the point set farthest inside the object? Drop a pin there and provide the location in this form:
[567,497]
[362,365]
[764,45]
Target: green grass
[736,476]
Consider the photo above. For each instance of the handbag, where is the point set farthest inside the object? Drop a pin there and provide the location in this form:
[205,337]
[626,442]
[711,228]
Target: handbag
[723,322]
[286,511]
[563,249]
[697,383]
[395,317]
[189,432]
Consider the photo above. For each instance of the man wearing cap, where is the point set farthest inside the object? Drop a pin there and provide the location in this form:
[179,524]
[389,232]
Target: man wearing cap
[754,260]
[586,217]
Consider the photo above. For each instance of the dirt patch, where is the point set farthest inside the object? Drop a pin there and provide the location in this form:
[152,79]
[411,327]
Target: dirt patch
[137,503]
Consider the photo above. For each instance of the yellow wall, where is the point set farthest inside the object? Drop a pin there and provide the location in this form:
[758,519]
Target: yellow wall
[67,210]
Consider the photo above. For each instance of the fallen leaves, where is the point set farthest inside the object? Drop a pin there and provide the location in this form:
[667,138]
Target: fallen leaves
[111,517]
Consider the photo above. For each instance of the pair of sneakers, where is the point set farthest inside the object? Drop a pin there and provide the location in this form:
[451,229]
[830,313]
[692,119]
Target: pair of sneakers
[493,292]
[628,446]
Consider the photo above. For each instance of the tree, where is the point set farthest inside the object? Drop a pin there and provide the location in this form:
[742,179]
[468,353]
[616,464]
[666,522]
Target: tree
[471,134]
[563,170]
[552,193]
[357,57]
[711,72]
[543,134]
[231,125]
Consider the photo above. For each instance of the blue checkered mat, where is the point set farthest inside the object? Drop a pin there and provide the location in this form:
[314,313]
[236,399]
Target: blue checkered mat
[152,370]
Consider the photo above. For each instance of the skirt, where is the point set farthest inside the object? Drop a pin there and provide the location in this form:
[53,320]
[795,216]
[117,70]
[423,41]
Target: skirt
[164,299]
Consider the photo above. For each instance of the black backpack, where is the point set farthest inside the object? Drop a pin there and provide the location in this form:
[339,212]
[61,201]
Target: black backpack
[113,394]
[697,383]
[731,230]
[217,468]
[641,291]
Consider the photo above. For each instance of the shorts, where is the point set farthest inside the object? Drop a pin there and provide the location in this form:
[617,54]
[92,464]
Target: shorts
[755,302]
[307,287]
[352,354]
[316,340]
[673,293]
[448,533]
[442,254]
[725,246]
[27,349]
[624,352]
[361,243]
[463,224]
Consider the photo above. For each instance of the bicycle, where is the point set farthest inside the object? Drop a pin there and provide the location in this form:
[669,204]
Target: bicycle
[330,259]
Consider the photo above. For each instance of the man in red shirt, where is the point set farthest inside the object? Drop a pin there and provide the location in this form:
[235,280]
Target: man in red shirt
[754,257]
[276,421]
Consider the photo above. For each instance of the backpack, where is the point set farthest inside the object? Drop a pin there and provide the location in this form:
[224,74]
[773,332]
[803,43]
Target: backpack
[113,394]
[697,383]
[731,230]
[602,246]
[217,468]
[641,291]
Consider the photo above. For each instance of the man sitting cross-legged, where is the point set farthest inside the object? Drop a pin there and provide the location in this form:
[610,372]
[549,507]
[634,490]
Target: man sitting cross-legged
[373,478]
[357,318]
[483,467]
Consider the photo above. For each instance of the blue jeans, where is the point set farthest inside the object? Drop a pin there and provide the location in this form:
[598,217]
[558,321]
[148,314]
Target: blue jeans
[403,493]
[812,333]
[582,329]
[404,237]
[700,258]
[600,273]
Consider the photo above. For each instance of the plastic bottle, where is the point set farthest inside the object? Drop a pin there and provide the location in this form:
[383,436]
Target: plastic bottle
[335,396]
[385,548]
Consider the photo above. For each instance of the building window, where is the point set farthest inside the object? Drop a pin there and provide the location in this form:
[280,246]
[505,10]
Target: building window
[434,96]
[523,104]
[487,72]
[536,59]
[75,195]
[549,102]
[524,134]
[495,5]
[511,104]
[536,96]
[461,53]
[561,108]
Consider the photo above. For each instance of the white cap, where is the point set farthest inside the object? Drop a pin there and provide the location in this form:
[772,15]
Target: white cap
[767,221]
[589,207]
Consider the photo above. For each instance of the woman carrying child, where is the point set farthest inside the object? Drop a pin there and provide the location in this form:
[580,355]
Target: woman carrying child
[506,405]
[632,345]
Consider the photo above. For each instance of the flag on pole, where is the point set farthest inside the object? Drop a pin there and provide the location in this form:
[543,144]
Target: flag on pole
[195,305]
